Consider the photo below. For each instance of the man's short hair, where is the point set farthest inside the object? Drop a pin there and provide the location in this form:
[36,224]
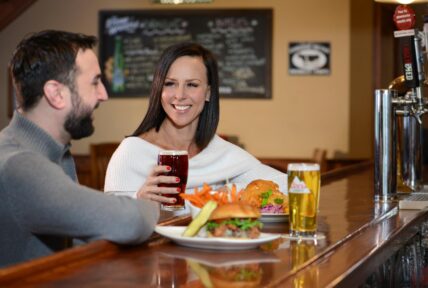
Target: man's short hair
[43,56]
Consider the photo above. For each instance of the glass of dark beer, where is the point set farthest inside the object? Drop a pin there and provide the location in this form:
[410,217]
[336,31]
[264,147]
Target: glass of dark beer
[179,163]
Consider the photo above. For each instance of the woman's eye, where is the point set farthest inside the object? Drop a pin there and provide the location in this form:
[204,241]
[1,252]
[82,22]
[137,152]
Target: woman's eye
[168,83]
[193,85]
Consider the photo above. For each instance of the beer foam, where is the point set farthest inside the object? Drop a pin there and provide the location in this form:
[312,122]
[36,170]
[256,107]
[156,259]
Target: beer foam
[303,167]
[173,152]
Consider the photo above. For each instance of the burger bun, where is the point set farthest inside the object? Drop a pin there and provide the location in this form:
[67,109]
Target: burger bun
[260,185]
[234,210]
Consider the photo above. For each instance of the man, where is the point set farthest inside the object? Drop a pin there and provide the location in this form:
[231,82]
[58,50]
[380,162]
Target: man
[58,86]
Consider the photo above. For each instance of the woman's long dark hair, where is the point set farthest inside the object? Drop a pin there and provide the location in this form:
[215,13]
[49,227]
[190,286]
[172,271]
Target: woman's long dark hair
[209,117]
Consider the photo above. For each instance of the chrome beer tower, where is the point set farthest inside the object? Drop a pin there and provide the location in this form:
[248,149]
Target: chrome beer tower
[398,123]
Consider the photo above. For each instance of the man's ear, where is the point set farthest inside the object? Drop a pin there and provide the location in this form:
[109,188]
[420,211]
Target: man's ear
[54,94]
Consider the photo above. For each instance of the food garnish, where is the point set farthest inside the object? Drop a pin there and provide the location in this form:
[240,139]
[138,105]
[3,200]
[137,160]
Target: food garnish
[200,219]
[262,194]
[234,220]
[266,196]
[222,196]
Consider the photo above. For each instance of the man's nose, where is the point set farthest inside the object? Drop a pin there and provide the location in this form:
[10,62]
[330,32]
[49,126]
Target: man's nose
[102,93]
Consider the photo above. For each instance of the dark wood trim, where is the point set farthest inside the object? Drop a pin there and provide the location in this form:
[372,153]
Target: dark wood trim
[78,255]
[343,172]
[331,164]
[377,46]
[73,255]
[11,9]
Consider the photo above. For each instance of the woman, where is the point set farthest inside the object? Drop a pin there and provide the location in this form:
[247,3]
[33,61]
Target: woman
[183,114]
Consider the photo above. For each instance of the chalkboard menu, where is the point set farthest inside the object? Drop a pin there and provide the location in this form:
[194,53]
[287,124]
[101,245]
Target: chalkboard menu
[131,43]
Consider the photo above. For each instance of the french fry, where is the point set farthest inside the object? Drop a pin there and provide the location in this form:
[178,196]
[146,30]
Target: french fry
[216,197]
[193,199]
[233,193]
[239,195]
[202,195]
[207,187]
[223,198]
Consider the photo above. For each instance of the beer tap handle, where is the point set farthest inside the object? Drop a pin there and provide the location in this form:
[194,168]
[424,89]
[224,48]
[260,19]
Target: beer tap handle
[417,113]
[408,54]
[418,118]
[404,18]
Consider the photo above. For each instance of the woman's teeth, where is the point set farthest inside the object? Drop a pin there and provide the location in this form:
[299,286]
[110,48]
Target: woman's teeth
[181,107]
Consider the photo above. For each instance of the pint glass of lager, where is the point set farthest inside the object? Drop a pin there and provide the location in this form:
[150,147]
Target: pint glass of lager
[303,192]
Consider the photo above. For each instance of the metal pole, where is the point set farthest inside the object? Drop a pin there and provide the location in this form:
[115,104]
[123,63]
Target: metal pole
[385,138]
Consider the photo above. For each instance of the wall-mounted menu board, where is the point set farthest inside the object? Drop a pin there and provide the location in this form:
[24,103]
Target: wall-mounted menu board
[131,43]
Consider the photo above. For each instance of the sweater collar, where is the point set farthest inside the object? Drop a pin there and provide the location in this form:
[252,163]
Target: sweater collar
[37,138]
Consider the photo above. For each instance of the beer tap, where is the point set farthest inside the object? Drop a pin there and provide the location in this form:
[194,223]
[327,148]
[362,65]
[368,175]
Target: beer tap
[398,116]
[411,41]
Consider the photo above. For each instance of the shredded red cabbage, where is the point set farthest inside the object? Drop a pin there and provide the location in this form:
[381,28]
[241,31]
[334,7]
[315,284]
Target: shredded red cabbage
[272,208]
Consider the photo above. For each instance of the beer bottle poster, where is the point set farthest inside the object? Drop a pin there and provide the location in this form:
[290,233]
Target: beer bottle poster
[131,43]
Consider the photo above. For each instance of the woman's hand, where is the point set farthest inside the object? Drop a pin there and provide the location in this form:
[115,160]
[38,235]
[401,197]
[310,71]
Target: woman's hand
[150,190]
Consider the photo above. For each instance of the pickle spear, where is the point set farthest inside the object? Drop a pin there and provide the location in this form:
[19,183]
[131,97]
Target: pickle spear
[200,219]
[201,272]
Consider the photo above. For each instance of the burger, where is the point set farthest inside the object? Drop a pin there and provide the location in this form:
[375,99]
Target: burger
[231,276]
[236,276]
[265,195]
[234,220]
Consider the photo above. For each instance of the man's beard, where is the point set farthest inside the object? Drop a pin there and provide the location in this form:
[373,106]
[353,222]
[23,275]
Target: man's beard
[79,121]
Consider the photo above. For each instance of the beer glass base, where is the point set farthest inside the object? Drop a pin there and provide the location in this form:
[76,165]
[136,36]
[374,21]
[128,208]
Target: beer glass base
[172,208]
[306,234]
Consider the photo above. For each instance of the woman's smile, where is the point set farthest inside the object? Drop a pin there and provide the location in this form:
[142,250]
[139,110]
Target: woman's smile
[181,107]
[185,91]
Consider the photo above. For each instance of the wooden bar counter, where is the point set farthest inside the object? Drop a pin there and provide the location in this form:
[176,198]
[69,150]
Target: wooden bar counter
[360,235]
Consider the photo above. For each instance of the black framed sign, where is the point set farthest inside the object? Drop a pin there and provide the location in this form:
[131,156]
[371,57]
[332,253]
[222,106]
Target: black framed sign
[131,43]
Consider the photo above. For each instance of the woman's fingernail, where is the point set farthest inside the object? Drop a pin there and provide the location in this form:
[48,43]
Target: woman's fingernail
[177,179]
[178,190]
[168,168]
[174,200]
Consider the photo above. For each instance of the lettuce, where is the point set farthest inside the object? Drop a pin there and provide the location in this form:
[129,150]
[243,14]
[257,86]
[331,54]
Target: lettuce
[265,197]
[241,223]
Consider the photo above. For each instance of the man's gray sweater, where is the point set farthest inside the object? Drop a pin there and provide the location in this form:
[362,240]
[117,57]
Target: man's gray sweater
[42,205]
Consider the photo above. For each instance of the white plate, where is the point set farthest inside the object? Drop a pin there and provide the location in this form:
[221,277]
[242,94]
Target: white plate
[274,218]
[175,232]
